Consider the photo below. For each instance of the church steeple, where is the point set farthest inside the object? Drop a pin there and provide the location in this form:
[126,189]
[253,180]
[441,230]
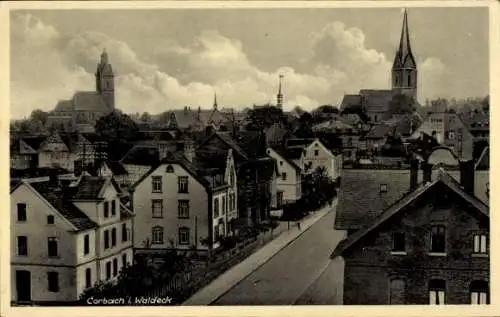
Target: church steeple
[404,68]
[215,101]
[105,80]
[279,97]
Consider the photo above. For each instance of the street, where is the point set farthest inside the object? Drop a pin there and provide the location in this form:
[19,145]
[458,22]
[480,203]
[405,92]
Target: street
[292,273]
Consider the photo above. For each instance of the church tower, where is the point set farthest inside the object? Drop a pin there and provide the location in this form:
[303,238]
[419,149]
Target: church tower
[105,81]
[279,97]
[404,69]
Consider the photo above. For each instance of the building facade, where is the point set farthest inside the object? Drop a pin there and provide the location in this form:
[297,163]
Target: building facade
[65,237]
[289,178]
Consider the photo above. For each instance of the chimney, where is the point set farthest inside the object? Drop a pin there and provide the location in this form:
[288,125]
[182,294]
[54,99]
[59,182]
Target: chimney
[189,151]
[413,174]
[427,168]
[467,176]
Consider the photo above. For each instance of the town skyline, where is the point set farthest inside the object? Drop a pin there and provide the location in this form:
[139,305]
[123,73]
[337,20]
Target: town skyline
[343,52]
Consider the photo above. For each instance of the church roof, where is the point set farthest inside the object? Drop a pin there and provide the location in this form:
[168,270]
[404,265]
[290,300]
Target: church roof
[376,100]
[64,106]
[89,101]
[350,102]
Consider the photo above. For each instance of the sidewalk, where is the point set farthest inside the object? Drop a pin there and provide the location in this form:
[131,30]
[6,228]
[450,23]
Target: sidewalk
[233,276]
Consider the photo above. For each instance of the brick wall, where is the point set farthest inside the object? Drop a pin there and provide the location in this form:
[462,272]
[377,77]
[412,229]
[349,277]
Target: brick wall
[370,265]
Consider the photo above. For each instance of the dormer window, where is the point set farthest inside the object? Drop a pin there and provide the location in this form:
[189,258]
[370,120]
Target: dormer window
[383,188]
[170,169]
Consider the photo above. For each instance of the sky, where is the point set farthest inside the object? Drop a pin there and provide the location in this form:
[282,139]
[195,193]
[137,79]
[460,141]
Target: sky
[170,58]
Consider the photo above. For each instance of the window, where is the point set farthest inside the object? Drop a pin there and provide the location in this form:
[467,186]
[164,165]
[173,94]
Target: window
[88,278]
[108,270]
[183,209]
[316,152]
[113,208]
[113,237]
[375,118]
[53,280]
[279,199]
[157,235]
[106,239]
[231,178]
[106,209]
[182,182]
[86,244]
[451,135]
[157,208]
[281,163]
[397,292]
[438,239]
[50,220]
[115,267]
[124,259]
[21,212]
[183,235]
[52,246]
[480,243]
[216,207]
[383,188]
[22,245]
[170,169]
[283,176]
[437,289]
[409,80]
[124,232]
[156,184]
[223,205]
[398,242]
[479,293]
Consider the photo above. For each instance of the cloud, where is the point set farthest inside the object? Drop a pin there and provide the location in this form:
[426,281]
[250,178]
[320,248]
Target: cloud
[431,76]
[51,65]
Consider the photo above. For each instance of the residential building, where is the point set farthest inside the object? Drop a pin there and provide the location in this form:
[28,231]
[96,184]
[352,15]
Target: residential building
[66,234]
[449,130]
[289,179]
[415,237]
[186,201]
[22,156]
[316,154]
[256,178]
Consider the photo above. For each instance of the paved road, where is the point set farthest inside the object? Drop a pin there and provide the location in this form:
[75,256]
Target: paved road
[289,275]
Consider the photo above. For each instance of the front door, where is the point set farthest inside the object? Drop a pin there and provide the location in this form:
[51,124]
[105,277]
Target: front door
[23,286]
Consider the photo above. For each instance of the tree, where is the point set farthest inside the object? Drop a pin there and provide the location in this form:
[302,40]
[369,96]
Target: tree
[117,126]
[39,115]
[262,117]
[146,117]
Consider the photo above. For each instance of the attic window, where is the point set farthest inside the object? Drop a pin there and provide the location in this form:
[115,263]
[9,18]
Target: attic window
[170,169]
[383,188]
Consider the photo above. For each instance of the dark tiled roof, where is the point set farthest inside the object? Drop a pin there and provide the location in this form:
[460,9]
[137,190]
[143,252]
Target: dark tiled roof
[89,188]
[232,143]
[359,198]
[483,163]
[289,157]
[376,100]
[141,155]
[380,131]
[117,151]
[34,141]
[116,168]
[298,142]
[350,102]
[442,178]
[36,172]
[58,200]
[89,101]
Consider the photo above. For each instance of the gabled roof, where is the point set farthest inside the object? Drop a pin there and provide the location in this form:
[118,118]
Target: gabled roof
[18,146]
[229,141]
[91,187]
[287,156]
[483,163]
[89,101]
[299,143]
[195,171]
[58,200]
[141,155]
[34,141]
[350,102]
[443,178]
[376,100]
[360,199]
[333,125]
[380,131]
[116,168]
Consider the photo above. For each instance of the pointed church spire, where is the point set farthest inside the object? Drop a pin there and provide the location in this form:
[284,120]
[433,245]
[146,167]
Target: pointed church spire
[104,56]
[215,101]
[279,97]
[404,56]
